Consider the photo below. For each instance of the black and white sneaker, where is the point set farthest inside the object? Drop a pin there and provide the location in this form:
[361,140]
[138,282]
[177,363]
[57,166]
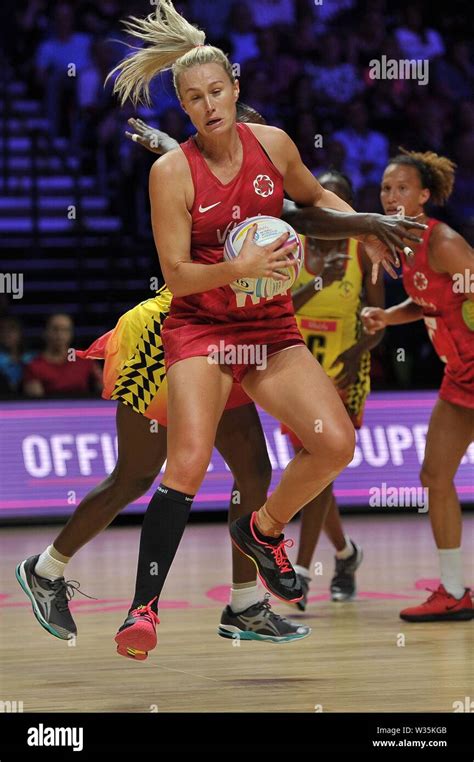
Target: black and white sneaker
[49,599]
[269,556]
[259,622]
[343,584]
[304,582]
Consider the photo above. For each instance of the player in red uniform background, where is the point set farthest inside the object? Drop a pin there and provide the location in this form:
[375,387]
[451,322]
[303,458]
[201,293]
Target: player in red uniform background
[439,281]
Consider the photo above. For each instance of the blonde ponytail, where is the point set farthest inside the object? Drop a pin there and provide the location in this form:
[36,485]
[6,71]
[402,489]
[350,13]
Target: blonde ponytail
[171,42]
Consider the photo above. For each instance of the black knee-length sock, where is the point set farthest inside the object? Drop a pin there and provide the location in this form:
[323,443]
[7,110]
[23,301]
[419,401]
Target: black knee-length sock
[163,526]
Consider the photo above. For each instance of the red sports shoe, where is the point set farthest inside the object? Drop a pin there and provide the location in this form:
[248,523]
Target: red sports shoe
[441,606]
[137,635]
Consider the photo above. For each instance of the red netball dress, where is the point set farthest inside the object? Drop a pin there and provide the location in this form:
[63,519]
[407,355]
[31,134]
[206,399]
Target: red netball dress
[198,321]
[449,319]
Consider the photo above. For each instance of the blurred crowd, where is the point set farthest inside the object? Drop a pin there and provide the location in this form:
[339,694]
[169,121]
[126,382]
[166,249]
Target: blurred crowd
[305,65]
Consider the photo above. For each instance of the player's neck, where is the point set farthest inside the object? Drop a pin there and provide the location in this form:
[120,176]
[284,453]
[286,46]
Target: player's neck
[221,149]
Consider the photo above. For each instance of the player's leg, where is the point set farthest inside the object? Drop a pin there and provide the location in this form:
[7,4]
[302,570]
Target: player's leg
[295,390]
[348,556]
[323,513]
[197,394]
[313,516]
[141,454]
[241,442]
[450,432]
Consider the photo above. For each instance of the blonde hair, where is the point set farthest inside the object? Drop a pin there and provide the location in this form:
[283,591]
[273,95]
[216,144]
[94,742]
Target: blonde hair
[436,172]
[170,42]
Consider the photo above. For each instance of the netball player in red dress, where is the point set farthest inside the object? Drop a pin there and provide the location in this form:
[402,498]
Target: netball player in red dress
[130,375]
[226,173]
[439,284]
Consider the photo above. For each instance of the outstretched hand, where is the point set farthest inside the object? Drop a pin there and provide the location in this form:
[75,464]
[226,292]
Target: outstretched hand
[389,233]
[153,140]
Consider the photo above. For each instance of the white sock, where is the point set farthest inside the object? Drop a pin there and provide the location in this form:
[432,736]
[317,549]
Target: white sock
[50,567]
[347,551]
[302,570]
[243,595]
[450,562]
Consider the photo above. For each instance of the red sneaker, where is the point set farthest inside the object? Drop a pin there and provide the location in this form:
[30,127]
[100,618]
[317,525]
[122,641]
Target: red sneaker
[441,606]
[137,635]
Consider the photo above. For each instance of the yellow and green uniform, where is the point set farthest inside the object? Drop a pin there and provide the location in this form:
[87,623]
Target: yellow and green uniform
[330,323]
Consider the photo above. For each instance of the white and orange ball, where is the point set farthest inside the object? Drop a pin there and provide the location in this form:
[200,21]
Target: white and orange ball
[268,230]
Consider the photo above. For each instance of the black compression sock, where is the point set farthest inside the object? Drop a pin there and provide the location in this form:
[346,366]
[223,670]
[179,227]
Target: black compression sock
[163,526]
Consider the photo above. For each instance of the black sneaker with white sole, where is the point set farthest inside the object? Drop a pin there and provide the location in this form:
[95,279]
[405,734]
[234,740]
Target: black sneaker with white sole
[343,584]
[269,556]
[49,599]
[259,622]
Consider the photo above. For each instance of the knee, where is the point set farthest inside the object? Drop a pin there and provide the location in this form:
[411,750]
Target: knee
[189,467]
[432,479]
[131,486]
[343,446]
[338,446]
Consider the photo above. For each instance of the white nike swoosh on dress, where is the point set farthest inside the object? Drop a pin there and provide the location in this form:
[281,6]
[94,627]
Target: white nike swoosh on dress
[206,208]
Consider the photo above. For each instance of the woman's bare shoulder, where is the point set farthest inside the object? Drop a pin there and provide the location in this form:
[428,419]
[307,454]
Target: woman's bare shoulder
[171,164]
[269,133]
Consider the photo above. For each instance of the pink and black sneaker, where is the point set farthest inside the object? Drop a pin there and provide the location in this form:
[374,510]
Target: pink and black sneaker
[269,556]
[137,636]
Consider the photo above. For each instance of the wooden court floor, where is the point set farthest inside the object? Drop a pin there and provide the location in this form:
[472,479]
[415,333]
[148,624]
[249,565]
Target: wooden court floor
[360,656]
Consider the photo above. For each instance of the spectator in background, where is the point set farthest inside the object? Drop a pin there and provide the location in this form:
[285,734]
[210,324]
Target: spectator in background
[386,97]
[256,94]
[427,120]
[55,58]
[52,374]
[335,82]
[454,75]
[305,136]
[280,68]
[325,13]
[366,149]
[302,94]
[241,33]
[99,16]
[369,38]
[30,22]
[330,157]
[90,92]
[271,13]
[465,116]
[94,101]
[304,36]
[13,357]
[417,41]
[210,15]
[461,203]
